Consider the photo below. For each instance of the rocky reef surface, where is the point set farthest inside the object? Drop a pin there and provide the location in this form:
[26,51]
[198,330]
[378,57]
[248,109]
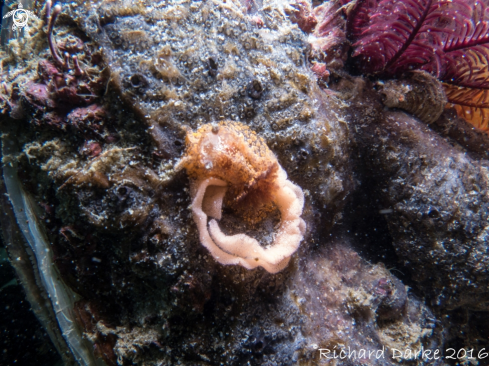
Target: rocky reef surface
[383,223]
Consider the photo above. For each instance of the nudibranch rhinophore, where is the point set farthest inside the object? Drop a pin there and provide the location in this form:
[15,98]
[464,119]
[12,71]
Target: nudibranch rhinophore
[229,158]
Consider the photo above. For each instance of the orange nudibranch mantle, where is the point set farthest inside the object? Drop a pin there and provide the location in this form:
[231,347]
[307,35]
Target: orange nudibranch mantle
[230,158]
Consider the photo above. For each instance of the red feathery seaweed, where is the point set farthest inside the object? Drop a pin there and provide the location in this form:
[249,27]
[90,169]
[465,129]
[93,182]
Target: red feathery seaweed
[447,38]
[466,79]
[391,36]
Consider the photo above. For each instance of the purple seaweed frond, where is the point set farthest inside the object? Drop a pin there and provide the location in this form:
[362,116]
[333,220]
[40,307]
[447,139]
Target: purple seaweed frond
[467,50]
[393,36]
[447,38]
[359,17]
[466,77]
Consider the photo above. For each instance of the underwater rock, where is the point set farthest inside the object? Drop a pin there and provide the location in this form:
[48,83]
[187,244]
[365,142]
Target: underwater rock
[459,132]
[437,200]
[93,130]
[115,208]
[240,73]
[346,301]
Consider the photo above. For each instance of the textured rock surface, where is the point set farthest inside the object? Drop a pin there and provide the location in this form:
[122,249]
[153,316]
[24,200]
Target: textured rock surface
[98,155]
[114,206]
[439,202]
[356,304]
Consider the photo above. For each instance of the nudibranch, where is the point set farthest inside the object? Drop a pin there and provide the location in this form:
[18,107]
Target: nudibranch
[229,159]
